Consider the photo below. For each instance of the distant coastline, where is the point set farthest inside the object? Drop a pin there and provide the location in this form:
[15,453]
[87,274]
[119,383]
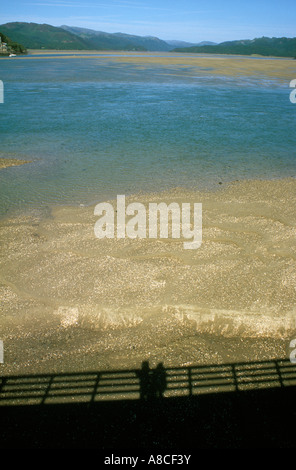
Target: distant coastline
[170,55]
[265,47]
[45,36]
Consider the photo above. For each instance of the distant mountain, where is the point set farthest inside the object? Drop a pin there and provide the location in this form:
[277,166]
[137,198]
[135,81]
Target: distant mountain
[37,36]
[150,43]
[45,36]
[277,47]
[118,41]
[206,43]
[22,36]
[100,40]
[176,43]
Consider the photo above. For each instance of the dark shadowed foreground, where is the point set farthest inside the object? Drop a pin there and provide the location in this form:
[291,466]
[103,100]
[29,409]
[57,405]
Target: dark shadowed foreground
[244,405]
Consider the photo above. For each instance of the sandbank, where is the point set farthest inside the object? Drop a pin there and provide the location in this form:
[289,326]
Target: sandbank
[7,162]
[190,64]
[73,302]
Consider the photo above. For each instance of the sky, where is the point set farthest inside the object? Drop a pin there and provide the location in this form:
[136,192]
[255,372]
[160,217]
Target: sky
[186,20]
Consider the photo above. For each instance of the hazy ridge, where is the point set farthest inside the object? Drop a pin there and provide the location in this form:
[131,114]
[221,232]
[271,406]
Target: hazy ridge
[279,47]
[45,36]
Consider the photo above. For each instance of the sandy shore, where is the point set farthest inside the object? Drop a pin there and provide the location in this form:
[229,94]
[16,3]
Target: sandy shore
[190,64]
[73,302]
[233,66]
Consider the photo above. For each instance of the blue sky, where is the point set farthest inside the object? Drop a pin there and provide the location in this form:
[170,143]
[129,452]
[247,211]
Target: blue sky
[188,20]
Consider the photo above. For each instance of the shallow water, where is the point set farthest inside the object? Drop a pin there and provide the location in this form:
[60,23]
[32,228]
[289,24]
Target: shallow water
[170,130]
[96,127]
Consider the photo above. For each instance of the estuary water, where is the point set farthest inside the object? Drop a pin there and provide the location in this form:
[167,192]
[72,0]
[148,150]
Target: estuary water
[97,126]
[156,128]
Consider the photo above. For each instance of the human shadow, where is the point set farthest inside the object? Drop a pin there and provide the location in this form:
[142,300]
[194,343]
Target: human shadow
[236,405]
[152,381]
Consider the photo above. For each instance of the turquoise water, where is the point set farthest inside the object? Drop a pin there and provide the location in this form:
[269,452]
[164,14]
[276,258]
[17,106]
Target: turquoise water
[95,128]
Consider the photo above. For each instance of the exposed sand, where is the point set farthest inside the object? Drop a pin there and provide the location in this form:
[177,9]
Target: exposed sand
[191,64]
[6,162]
[73,302]
[225,66]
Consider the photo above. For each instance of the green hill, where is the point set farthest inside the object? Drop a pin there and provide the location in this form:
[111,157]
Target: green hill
[119,41]
[37,36]
[22,36]
[100,40]
[45,36]
[277,47]
[127,41]
[150,43]
[7,46]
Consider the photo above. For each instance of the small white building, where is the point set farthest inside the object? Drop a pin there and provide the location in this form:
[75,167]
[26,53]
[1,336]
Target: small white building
[3,46]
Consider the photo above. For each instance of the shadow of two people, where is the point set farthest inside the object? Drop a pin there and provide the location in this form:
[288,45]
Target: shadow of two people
[152,381]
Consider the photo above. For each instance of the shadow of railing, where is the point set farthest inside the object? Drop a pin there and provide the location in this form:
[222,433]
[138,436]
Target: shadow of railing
[145,383]
[243,405]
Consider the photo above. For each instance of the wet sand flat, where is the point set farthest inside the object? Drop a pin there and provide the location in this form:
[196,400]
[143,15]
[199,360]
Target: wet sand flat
[7,162]
[269,67]
[223,65]
[71,301]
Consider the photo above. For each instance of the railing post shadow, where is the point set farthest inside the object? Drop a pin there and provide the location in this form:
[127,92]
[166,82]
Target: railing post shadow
[96,386]
[279,373]
[46,394]
[234,377]
[2,383]
[190,381]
